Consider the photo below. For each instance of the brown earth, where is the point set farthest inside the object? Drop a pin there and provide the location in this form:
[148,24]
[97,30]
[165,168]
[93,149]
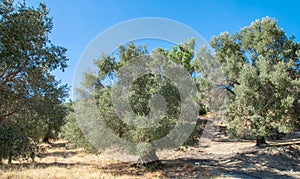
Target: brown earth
[212,159]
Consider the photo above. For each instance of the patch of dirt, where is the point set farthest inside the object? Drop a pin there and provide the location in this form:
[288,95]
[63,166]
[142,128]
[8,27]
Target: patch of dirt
[217,156]
[231,159]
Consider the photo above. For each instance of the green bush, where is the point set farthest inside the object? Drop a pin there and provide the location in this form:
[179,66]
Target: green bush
[73,134]
[15,145]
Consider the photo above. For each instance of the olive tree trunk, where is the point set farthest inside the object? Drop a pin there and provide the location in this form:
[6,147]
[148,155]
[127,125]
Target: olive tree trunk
[46,140]
[148,158]
[2,119]
[10,158]
[261,141]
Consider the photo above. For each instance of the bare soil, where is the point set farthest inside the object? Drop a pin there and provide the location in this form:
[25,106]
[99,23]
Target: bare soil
[211,159]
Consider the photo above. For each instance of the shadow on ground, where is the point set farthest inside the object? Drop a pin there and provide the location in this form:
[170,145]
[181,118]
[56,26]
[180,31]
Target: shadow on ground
[63,154]
[37,165]
[270,162]
[281,161]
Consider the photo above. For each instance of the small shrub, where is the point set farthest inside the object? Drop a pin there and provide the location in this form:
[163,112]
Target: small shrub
[15,145]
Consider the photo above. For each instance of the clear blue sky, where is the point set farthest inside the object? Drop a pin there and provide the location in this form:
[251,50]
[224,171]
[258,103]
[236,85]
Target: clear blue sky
[77,22]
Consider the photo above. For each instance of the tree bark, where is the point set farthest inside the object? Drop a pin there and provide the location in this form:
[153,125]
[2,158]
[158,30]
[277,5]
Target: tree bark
[10,158]
[148,158]
[261,141]
[2,119]
[46,140]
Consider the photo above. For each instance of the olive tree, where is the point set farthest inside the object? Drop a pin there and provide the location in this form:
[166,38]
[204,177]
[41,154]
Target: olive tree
[260,66]
[146,91]
[31,98]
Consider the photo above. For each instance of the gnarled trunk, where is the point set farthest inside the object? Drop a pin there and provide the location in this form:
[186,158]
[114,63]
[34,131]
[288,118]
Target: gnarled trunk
[10,158]
[261,141]
[148,158]
[46,140]
[2,119]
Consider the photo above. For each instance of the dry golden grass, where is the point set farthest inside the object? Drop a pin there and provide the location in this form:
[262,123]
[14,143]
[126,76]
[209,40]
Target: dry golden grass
[62,163]
[69,172]
[192,162]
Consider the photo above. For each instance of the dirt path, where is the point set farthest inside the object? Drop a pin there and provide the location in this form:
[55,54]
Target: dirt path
[240,160]
[212,160]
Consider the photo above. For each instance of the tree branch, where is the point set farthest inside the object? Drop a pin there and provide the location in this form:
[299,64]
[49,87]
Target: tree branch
[230,90]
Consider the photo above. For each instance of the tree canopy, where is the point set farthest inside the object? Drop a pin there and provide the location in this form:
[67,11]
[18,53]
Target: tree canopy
[154,99]
[31,98]
[261,69]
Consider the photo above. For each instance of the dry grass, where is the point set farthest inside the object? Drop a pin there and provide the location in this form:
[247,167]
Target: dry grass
[214,160]
[71,171]
[62,163]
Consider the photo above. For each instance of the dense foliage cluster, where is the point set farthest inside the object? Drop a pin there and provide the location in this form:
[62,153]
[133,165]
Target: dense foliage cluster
[31,98]
[142,91]
[257,70]
[261,71]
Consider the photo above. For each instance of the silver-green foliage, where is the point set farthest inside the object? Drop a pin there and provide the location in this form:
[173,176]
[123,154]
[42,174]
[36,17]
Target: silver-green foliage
[261,73]
[141,91]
